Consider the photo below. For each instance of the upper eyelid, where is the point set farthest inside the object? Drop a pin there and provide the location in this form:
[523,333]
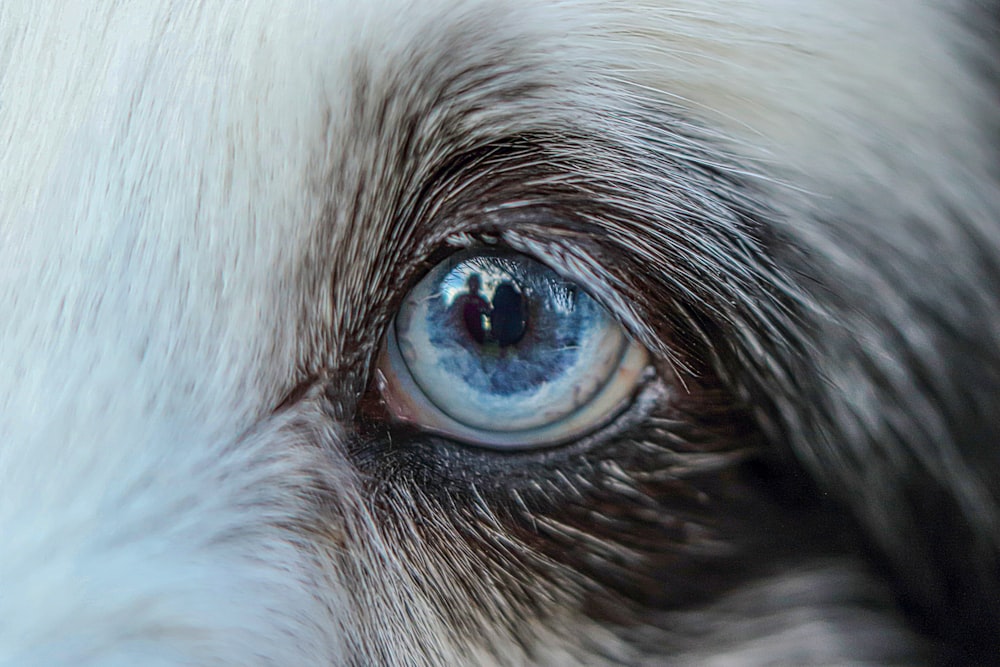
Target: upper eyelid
[700,222]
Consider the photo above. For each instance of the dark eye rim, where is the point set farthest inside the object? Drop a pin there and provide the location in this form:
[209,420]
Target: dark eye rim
[443,465]
[402,402]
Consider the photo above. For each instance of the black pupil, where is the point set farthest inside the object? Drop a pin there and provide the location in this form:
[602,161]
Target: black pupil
[502,321]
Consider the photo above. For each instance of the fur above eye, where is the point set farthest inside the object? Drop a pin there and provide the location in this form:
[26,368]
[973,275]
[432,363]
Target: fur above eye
[496,349]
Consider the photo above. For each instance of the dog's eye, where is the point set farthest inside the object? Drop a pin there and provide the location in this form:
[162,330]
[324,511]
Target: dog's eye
[496,349]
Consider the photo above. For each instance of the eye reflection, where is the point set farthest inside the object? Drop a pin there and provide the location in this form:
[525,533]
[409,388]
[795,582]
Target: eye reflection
[498,349]
[500,320]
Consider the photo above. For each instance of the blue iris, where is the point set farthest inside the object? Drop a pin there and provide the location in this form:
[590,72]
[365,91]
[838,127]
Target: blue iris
[501,342]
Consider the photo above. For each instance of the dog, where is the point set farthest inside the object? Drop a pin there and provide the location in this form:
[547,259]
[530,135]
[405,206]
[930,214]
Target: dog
[499,332]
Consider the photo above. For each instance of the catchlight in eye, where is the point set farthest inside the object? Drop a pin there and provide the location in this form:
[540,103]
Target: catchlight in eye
[496,349]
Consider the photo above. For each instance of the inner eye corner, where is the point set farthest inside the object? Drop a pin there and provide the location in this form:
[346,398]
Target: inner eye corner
[494,349]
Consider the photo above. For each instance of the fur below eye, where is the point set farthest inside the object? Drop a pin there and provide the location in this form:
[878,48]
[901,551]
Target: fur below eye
[496,349]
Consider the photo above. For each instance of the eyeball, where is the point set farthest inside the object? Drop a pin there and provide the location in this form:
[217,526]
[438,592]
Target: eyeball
[496,349]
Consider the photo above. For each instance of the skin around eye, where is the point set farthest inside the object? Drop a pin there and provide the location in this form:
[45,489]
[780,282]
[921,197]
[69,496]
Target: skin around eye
[496,349]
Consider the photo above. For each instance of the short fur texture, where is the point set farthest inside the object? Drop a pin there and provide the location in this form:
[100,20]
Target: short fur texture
[210,210]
